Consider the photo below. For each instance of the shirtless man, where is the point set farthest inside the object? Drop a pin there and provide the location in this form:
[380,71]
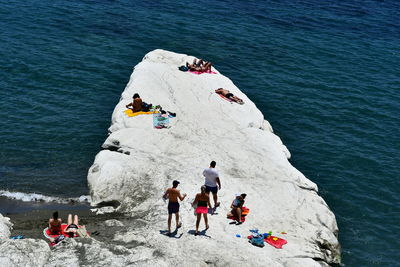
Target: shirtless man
[229,95]
[136,104]
[173,205]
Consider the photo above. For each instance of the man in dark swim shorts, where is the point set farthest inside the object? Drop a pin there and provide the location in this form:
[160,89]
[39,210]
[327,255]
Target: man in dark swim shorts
[173,195]
[212,182]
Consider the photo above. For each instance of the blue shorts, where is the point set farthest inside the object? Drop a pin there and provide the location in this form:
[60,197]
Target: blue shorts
[211,189]
[173,207]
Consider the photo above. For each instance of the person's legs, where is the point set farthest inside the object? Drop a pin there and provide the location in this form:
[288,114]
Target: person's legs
[236,99]
[206,220]
[169,222]
[198,223]
[76,219]
[69,221]
[178,224]
[239,212]
[215,197]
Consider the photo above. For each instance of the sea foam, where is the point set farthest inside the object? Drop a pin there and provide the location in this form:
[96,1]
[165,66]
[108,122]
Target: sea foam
[34,197]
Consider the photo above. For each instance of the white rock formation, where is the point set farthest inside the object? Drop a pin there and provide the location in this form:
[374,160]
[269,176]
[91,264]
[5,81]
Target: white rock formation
[140,162]
[5,227]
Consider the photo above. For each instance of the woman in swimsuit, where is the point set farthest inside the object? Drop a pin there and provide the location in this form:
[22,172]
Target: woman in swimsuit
[55,224]
[236,207]
[202,200]
[72,228]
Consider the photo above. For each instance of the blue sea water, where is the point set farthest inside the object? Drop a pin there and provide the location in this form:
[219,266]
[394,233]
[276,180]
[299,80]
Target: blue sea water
[325,74]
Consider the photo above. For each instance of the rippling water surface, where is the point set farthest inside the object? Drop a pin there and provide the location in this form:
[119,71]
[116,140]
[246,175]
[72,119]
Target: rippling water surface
[324,73]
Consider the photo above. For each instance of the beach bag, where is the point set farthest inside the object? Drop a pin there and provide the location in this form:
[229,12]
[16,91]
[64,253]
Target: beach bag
[183,68]
[257,241]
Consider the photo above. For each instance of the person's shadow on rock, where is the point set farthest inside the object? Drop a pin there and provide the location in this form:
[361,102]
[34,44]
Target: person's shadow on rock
[172,234]
[202,233]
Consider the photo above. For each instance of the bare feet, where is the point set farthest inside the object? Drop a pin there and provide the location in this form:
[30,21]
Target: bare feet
[217,205]
[207,226]
[179,225]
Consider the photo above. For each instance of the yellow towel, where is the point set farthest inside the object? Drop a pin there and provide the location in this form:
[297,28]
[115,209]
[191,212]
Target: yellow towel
[130,113]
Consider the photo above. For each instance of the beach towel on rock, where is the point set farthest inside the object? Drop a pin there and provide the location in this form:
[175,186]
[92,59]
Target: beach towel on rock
[227,99]
[199,72]
[275,241]
[130,113]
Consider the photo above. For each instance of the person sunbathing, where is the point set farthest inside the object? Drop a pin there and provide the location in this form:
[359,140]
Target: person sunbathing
[229,95]
[72,227]
[55,224]
[199,65]
[136,104]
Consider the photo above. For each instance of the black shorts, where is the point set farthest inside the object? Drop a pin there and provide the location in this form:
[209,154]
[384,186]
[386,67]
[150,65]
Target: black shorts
[173,207]
[228,95]
[211,189]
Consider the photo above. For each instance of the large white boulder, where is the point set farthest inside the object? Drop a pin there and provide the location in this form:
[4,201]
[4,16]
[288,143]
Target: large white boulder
[139,162]
[5,227]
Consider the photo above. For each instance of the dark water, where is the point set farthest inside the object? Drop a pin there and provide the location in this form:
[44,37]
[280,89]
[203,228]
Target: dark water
[325,74]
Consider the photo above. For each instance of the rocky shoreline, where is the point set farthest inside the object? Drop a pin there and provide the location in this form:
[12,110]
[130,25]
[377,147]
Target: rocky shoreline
[138,162]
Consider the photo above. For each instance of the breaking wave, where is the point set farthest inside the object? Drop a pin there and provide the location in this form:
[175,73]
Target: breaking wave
[33,197]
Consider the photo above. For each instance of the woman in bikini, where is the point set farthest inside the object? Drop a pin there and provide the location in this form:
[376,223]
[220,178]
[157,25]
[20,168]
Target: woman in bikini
[72,227]
[202,200]
[55,224]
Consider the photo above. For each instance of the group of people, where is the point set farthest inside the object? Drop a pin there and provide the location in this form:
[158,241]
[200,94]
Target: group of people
[202,201]
[71,229]
[199,65]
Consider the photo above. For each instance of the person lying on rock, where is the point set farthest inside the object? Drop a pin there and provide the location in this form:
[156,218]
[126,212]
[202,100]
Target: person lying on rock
[136,104]
[236,207]
[229,95]
[200,66]
[73,229]
[202,201]
[55,224]
[173,194]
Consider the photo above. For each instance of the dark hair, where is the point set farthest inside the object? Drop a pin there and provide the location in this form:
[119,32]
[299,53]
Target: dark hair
[243,196]
[55,215]
[213,163]
[203,189]
[71,234]
[175,183]
[136,95]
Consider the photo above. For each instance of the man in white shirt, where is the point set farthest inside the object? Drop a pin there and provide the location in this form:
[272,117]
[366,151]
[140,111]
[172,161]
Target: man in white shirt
[211,182]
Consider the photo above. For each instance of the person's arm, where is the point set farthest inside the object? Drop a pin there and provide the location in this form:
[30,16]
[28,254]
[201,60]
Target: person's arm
[196,199]
[232,204]
[166,194]
[181,197]
[218,182]
[129,105]
[49,223]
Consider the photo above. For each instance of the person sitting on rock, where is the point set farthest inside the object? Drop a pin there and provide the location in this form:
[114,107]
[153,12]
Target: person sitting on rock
[236,207]
[136,104]
[229,95]
[55,224]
